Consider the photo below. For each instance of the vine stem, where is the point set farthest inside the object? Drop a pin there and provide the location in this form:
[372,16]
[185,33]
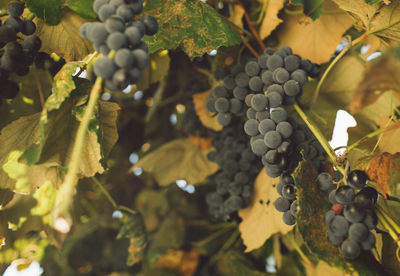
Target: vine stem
[383,218]
[251,26]
[320,137]
[65,195]
[110,199]
[336,59]
[87,62]
[250,48]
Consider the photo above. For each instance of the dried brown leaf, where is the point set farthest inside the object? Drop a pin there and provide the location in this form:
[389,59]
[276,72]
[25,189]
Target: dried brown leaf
[271,19]
[316,40]
[378,78]
[384,169]
[199,101]
[260,220]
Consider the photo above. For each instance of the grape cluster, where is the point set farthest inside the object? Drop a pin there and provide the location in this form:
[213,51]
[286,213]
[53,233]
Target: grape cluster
[287,202]
[238,168]
[352,215]
[120,32]
[16,57]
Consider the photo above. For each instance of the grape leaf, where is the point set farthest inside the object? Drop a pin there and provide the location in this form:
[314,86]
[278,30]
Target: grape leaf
[235,263]
[192,25]
[156,71]
[379,77]
[178,159]
[33,87]
[271,19]
[237,14]
[64,38]
[384,169]
[134,230]
[82,7]
[260,220]
[310,222]
[380,20]
[206,118]
[48,10]
[313,8]
[183,262]
[322,35]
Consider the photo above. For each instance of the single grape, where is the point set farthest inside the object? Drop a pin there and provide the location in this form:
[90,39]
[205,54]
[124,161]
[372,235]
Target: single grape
[142,58]
[339,226]
[251,113]
[371,193]
[28,27]
[275,61]
[252,68]
[285,148]
[282,204]
[335,240]
[15,8]
[248,98]
[357,179]
[294,207]
[358,232]
[288,218]
[262,115]
[306,65]
[117,40]
[224,118]
[291,63]
[104,67]
[259,102]
[354,212]
[97,33]
[369,242]
[222,105]
[124,58]
[344,195]
[371,219]
[272,156]
[125,12]
[240,93]
[284,129]
[266,126]
[235,106]
[267,77]
[121,79]
[114,23]
[291,88]
[97,4]
[272,139]
[84,29]
[274,99]
[364,200]
[229,82]
[242,79]
[280,75]
[256,84]
[105,11]
[150,24]
[300,76]
[262,61]
[328,217]
[289,192]
[251,127]
[350,249]
[258,147]
[332,197]
[278,115]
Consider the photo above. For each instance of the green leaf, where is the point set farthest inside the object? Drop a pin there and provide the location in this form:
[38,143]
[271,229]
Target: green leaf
[48,10]
[134,230]
[46,198]
[235,263]
[156,71]
[64,38]
[313,8]
[310,223]
[83,8]
[181,159]
[34,87]
[190,24]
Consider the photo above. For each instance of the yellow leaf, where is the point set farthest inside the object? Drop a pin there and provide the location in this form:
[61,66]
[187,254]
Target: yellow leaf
[237,15]
[199,101]
[322,268]
[381,20]
[316,40]
[260,220]
[389,141]
[271,19]
[178,159]
[64,39]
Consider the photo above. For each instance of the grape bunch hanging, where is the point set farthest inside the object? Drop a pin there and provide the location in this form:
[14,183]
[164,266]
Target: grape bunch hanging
[118,37]
[17,53]
[352,215]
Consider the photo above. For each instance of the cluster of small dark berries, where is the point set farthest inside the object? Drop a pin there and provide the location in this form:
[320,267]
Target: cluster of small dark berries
[16,56]
[238,168]
[287,202]
[119,31]
[352,214]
